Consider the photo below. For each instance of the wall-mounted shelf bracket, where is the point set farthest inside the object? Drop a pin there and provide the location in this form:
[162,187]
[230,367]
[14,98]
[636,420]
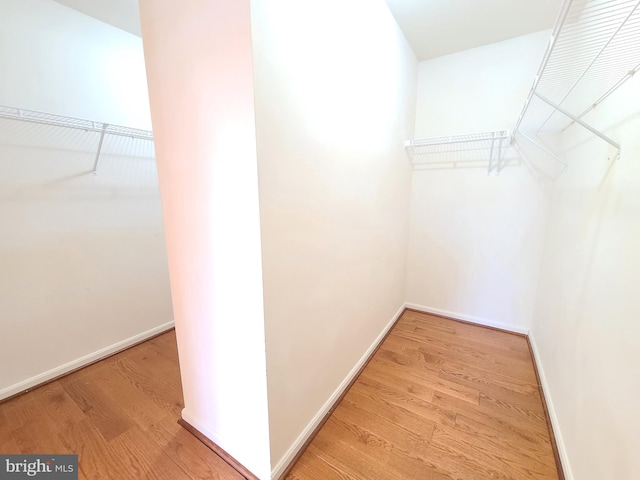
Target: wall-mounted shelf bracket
[577,120]
[95,162]
[544,148]
[102,128]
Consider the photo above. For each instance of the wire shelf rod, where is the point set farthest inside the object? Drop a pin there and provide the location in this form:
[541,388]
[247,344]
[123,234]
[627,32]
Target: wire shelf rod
[545,59]
[592,52]
[594,60]
[454,139]
[542,147]
[42,118]
[483,147]
[577,120]
[577,58]
[71,123]
[629,75]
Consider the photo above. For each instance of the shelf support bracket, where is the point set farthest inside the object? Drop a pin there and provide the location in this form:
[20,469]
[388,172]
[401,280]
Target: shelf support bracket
[493,142]
[543,148]
[95,162]
[580,122]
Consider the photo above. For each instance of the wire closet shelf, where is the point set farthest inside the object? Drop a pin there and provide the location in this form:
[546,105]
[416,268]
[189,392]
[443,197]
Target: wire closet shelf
[593,50]
[102,128]
[486,147]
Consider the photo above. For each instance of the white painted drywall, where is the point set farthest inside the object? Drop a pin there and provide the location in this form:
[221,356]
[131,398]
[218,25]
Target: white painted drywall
[199,66]
[334,105]
[586,323]
[82,258]
[57,60]
[476,240]
[477,90]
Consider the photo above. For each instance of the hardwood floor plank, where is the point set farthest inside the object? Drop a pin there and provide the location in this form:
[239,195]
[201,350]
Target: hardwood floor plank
[403,418]
[32,439]
[393,398]
[462,465]
[514,379]
[539,445]
[465,351]
[17,412]
[409,369]
[145,459]
[529,418]
[315,467]
[442,400]
[96,459]
[345,459]
[118,416]
[156,376]
[133,401]
[411,443]
[492,419]
[108,417]
[364,453]
[378,449]
[485,456]
[52,400]
[197,460]
[401,380]
[8,446]
[439,400]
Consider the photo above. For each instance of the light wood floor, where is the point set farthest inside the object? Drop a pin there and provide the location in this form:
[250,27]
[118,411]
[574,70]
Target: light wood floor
[120,415]
[439,400]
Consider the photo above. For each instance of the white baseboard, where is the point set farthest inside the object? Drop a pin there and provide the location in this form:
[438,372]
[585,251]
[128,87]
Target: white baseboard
[288,457]
[562,451]
[82,361]
[468,318]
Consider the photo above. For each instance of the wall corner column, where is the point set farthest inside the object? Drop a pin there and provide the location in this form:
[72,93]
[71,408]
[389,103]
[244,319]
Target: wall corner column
[198,56]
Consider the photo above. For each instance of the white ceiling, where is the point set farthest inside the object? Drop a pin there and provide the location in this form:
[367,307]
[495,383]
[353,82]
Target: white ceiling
[123,14]
[440,27]
[432,27]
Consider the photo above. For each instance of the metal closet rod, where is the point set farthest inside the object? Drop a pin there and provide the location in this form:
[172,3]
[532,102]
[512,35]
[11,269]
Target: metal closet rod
[33,116]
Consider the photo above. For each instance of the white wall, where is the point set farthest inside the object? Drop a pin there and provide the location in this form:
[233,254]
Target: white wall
[199,66]
[335,95]
[477,90]
[57,60]
[83,258]
[476,240]
[586,323]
